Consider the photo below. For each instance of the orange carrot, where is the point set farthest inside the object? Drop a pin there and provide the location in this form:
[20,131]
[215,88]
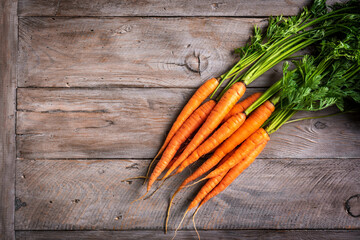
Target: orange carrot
[251,124]
[245,148]
[168,212]
[184,132]
[225,131]
[181,149]
[225,104]
[199,96]
[242,106]
[211,182]
[226,179]
[171,162]
[232,174]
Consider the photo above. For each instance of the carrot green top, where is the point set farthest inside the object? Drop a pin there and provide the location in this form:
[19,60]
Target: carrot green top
[286,36]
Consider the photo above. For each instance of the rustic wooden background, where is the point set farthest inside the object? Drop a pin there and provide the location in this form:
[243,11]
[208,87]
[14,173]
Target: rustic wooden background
[97,86]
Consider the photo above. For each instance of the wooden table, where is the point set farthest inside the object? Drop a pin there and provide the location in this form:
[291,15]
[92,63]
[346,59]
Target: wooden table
[88,91]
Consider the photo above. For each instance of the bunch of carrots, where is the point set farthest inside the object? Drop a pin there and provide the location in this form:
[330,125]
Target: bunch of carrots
[236,133]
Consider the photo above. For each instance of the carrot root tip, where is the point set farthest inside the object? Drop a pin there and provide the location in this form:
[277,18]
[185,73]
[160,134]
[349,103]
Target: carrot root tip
[132,178]
[139,198]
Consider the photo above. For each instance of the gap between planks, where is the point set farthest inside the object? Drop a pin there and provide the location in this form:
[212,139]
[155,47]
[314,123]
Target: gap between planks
[185,235]
[203,8]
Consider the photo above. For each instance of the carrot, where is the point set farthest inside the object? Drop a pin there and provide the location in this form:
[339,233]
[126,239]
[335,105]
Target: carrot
[228,176]
[184,132]
[208,183]
[212,182]
[199,96]
[243,105]
[251,124]
[181,149]
[226,179]
[171,162]
[245,148]
[225,131]
[221,181]
[225,104]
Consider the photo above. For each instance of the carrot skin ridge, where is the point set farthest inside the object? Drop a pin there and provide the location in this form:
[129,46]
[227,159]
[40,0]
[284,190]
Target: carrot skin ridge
[189,126]
[234,172]
[197,98]
[245,148]
[242,106]
[214,119]
[225,131]
[251,124]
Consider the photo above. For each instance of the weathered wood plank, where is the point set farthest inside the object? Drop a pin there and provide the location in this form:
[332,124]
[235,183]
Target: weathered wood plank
[209,235]
[270,194]
[140,52]
[158,8]
[8,53]
[132,122]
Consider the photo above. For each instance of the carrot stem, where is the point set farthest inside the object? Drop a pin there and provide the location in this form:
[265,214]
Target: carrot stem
[264,97]
[322,116]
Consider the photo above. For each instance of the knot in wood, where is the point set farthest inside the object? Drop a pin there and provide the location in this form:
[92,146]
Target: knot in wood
[352,206]
[19,204]
[123,29]
[196,63]
[320,125]
[214,6]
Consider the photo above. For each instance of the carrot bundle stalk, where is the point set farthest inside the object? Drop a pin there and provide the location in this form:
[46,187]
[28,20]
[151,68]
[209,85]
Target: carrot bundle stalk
[195,101]
[225,104]
[184,132]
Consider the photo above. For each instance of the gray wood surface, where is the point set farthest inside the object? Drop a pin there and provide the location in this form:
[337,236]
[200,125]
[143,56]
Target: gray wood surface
[100,83]
[100,123]
[8,52]
[270,194]
[187,235]
[159,8]
[135,52]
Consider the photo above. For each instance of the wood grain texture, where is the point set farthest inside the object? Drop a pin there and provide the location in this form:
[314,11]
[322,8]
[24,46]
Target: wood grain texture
[187,235]
[131,52]
[159,8]
[8,52]
[270,194]
[132,123]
